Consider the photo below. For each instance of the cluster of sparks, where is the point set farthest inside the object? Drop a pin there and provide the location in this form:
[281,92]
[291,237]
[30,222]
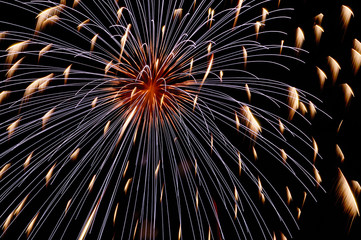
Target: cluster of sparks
[140,98]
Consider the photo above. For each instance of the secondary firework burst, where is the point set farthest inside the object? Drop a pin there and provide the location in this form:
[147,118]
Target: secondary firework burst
[150,120]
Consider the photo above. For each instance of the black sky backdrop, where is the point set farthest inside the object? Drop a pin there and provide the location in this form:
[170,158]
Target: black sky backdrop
[323,219]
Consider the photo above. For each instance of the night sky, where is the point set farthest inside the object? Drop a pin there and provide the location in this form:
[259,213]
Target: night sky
[323,219]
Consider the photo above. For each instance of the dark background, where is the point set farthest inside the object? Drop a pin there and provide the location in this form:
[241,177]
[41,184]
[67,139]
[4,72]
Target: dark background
[323,219]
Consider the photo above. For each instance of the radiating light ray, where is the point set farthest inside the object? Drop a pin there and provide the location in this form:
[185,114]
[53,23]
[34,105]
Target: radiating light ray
[145,83]
[89,222]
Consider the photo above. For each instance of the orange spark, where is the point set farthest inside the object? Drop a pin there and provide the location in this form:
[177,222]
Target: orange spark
[239,164]
[315,149]
[208,70]
[318,30]
[126,169]
[91,184]
[31,225]
[293,102]
[289,196]
[348,93]
[66,74]
[46,14]
[346,14]
[38,85]
[115,213]
[93,41]
[321,76]
[4,95]
[44,50]
[4,169]
[119,13]
[82,24]
[319,18]
[339,153]
[157,170]
[356,60]
[94,102]
[127,185]
[317,175]
[75,154]
[89,222]
[49,175]
[251,122]
[300,38]
[281,126]
[334,67]
[283,155]
[20,206]
[239,6]
[8,221]
[47,116]
[12,127]
[303,108]
[313,110]
[345,196]
[264,15]
[67,206]
[15,49]
[13,68]
[245,57]
[257,26]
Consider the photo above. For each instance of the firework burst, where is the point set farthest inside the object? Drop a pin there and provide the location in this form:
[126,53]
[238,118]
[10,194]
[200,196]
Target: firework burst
[153,120]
